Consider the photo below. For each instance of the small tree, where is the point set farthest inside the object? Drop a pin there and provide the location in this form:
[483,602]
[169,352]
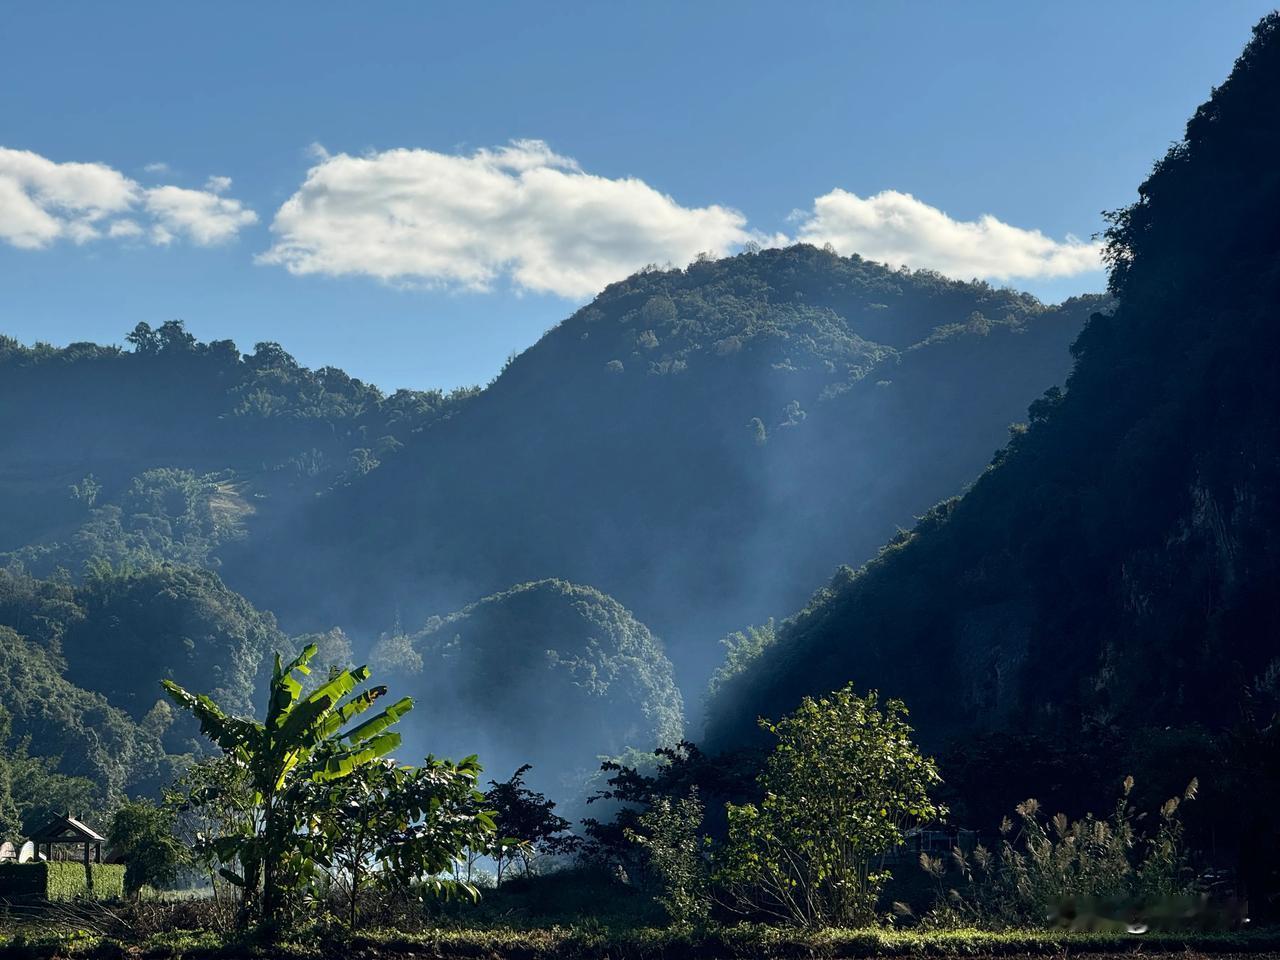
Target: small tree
[86,491]
[673,773]
[396,826]
[669,832]
[840,789]
[527,824]
[143,339]
[143,833]
[212,798]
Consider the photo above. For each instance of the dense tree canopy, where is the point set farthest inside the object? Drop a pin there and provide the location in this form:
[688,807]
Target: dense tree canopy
[71,731]
[267,426]
[182,623]
[163,515]
[120,632]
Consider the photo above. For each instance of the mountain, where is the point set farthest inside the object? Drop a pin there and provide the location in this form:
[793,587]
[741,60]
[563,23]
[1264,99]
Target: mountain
[701,444]
[1109,584]
[549,673]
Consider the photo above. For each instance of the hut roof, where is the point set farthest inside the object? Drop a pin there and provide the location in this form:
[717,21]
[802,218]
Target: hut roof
[67,829]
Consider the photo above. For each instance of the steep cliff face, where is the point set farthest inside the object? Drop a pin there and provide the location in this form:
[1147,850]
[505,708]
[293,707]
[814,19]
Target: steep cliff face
[1116,566]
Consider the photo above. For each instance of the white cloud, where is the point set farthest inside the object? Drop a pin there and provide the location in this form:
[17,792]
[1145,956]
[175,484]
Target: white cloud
[204,218]
[43,201]
[124,228]
[519,211]
[896,228]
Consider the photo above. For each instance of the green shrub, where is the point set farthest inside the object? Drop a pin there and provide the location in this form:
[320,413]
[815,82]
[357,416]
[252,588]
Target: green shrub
[60,880]
[108,881]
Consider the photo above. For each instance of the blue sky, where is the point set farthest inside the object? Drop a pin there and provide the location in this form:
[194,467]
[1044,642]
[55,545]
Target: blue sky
[418,190]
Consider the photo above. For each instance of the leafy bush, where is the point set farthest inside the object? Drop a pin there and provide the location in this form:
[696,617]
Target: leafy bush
[637,782]
[397,829]
[840,789]
[143,833]
[528,826]
[315,801]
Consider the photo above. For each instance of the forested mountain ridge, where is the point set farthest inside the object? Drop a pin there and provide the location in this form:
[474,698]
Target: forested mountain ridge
[701,444]
[85,428]
[1111,578]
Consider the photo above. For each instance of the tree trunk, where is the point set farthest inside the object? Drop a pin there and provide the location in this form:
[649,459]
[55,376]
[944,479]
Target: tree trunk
[270,895]
[355,894]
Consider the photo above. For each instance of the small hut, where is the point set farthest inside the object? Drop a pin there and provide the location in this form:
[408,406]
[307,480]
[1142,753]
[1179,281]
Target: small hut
[65,832]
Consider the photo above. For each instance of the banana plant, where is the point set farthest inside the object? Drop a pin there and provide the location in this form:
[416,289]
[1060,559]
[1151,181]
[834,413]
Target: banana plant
[303,740]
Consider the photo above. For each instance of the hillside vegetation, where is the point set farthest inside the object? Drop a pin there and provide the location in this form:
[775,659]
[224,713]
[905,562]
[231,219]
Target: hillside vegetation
[80,427]
[701,444]
[62,746]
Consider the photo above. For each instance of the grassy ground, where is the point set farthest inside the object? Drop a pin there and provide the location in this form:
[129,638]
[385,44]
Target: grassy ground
[583,943]
[570,915]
